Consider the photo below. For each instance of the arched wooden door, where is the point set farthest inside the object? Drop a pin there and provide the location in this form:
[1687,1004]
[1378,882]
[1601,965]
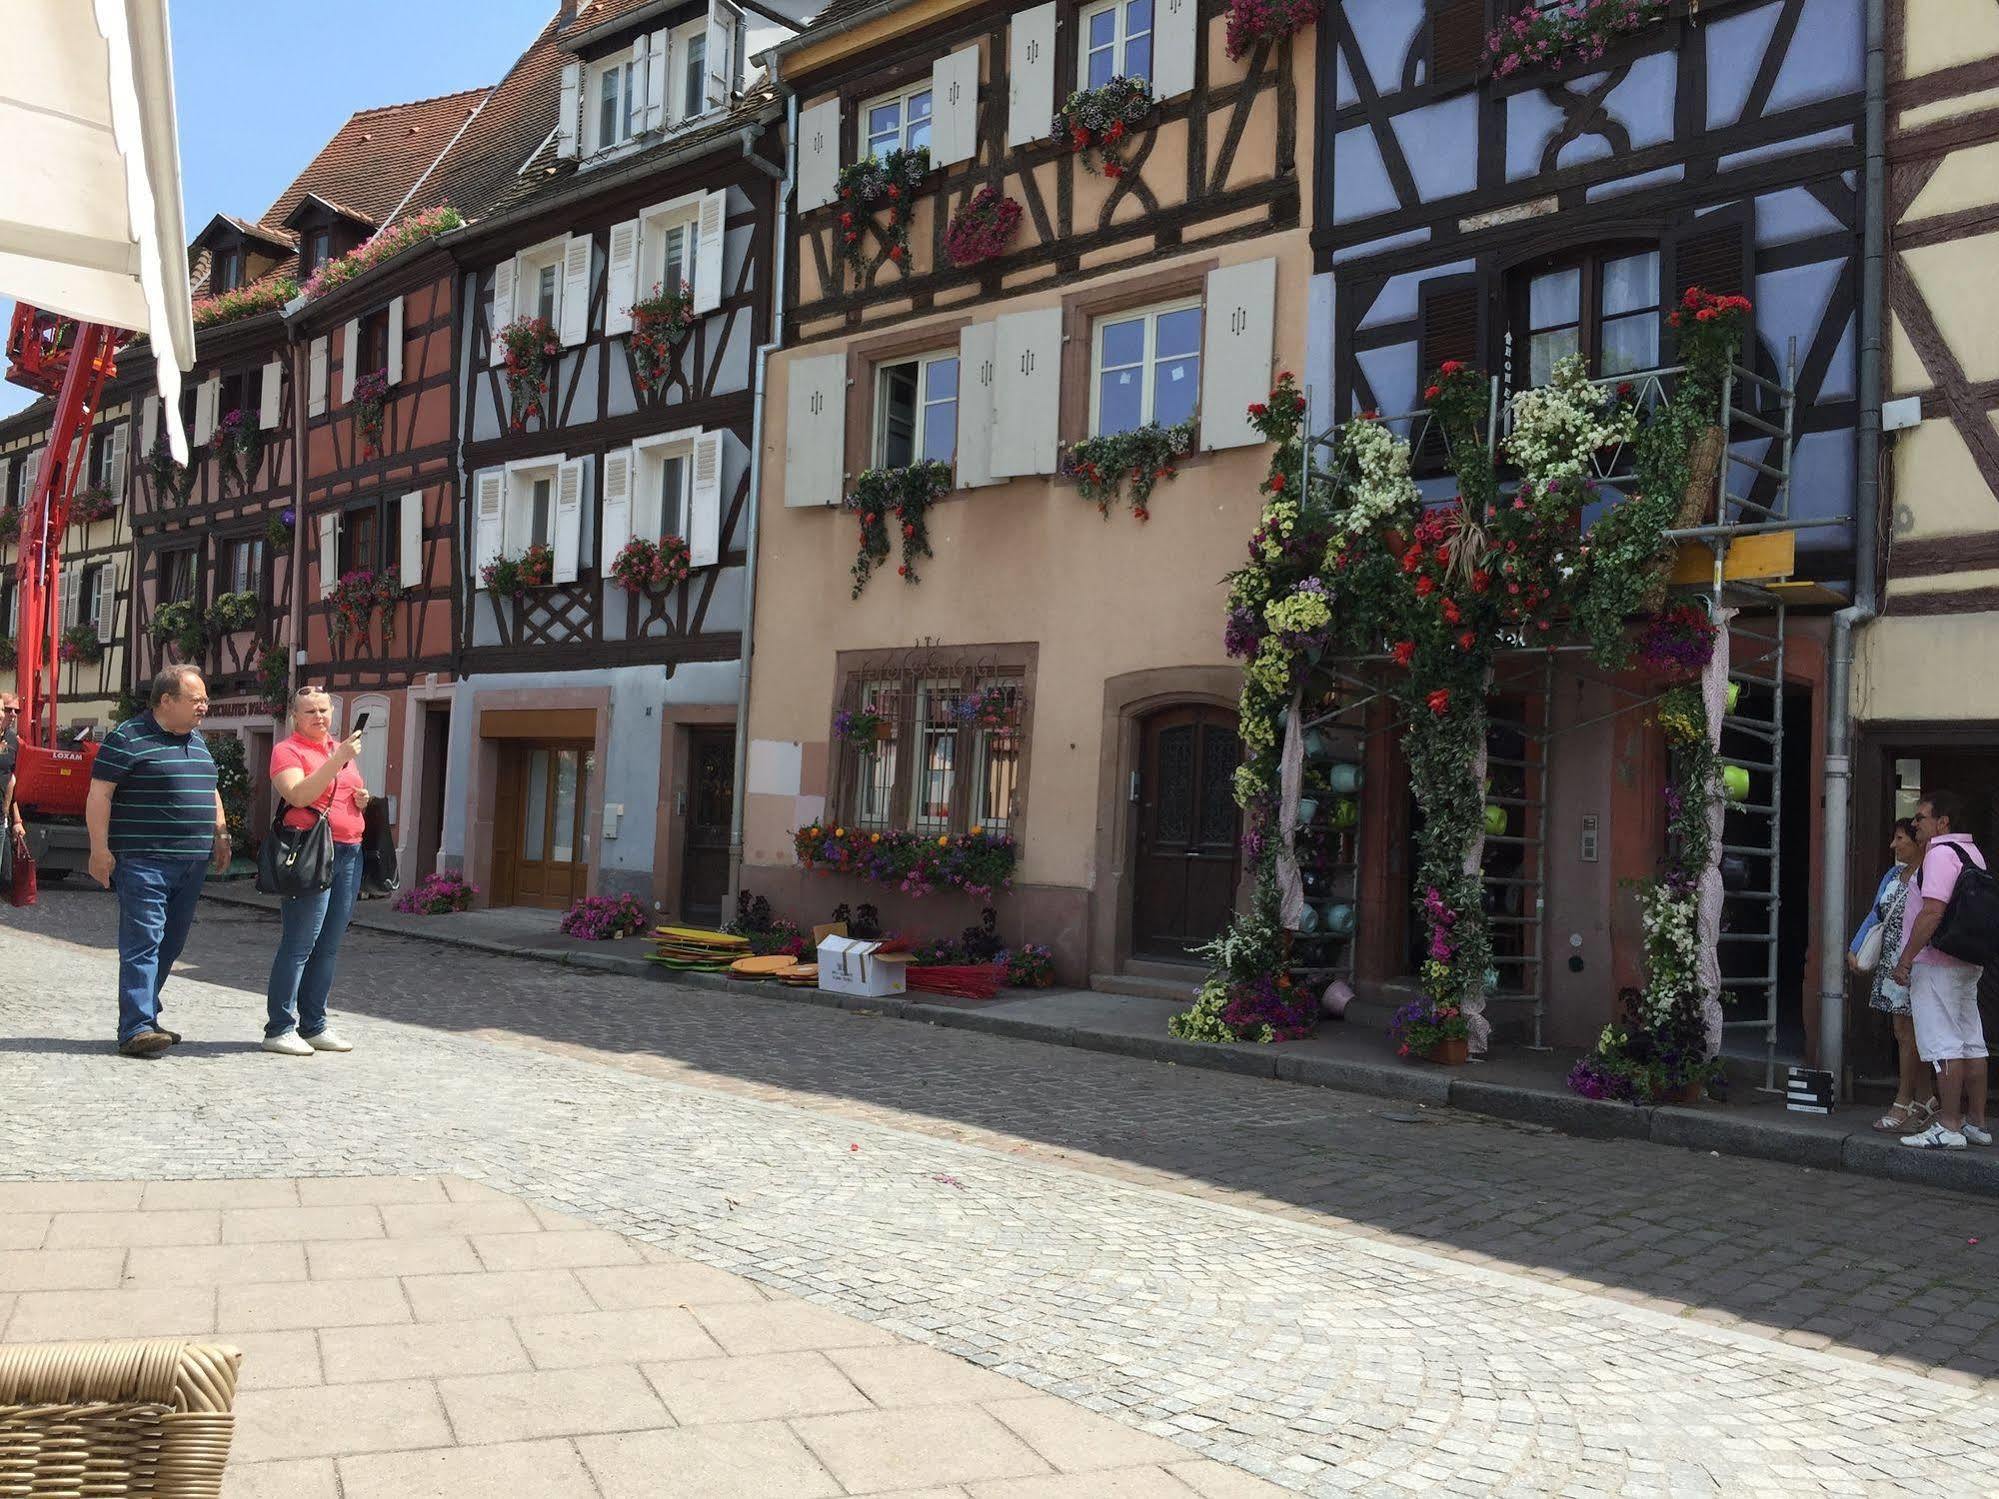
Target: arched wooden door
[1188,855]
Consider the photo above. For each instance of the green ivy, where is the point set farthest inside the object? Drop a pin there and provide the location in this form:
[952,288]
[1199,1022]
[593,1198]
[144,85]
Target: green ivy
[274,680]
[906,494]
[1121,465]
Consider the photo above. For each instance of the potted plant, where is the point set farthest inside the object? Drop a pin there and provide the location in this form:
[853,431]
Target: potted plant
[1678,643]
[979,231]
[867,184]
[907,494]
[659,323]
[534,568]
[233,611]
[436,894]
[991,708]
[862,728]
[1096,122]
[529,347]
[1254,21]
[371,410]
[1435,1032]
[643,566]
[180,625]
[1128,464]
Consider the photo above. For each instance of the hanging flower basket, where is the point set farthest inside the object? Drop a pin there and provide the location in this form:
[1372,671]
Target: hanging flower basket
[514,576]
[863,729]
[643,566]
[371,410]
[1252,22]
[1580,31]
[172,482]
[867,185]
[1678,643]
[237,444]
[93,505]
[278,530]
[994,709]
[530,347]
[1097,121]
[356,597]
[10,524]
[181,626]
[274,680]
[80,644]
[232,612]
[1128,465]
[980,229]
[659,324]
[906,494]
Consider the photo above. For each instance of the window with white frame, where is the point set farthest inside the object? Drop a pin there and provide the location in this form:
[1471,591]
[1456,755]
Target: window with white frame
[1146,367]
[948,754]
[688,67]
[662,477]
[916,411]
[531,502]
[613,107]
[666,248]
[538,283]
[898,121]
[90,596]
[1117,42]
[244,558]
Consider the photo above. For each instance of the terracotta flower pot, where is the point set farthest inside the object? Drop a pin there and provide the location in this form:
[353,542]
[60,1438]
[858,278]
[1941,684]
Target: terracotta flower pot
[1687,1094]
[1453,1052]
[884,731]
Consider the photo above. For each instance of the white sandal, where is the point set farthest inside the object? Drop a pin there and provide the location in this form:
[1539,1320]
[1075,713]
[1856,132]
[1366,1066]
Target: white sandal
[1913,1117]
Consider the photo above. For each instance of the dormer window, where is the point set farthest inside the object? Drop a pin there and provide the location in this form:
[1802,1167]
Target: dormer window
[690,46]
[616,92]
[228,270]
[318,245]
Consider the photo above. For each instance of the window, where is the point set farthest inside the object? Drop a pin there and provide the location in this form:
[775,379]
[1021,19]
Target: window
[228,270]
[318,247]
[951,759]
[244,561]
[375,342]
[916,411]
[616,90]
[1117,42]
[1604,306]
[97,472]
[898,121]
[1147,368]
[538,282]
[360,541]
[177,576]
[671,246]
[688,50]
[17,479]
[663,477]
[530,518]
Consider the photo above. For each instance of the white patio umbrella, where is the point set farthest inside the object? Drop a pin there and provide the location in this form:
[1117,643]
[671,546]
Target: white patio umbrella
[91,224]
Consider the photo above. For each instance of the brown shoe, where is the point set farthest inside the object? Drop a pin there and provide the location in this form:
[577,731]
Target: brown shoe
[146,1044]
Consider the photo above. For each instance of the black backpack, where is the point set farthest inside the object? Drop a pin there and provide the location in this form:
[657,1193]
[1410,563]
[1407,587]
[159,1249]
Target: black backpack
[1969,929]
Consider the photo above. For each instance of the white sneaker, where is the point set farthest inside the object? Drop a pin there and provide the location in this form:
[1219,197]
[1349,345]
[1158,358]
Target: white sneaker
[327,1040]
[1977,1134]
[1936,1137]
[287,1045]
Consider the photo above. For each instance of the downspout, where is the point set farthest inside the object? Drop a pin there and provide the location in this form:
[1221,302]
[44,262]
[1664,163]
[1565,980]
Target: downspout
[1833,924]
[764,351]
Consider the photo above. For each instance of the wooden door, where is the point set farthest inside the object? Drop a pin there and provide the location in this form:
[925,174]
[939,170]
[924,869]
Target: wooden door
[704,849]
[540,813]
[1188,858]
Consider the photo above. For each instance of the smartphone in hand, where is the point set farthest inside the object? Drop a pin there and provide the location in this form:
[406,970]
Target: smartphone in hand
[360,723]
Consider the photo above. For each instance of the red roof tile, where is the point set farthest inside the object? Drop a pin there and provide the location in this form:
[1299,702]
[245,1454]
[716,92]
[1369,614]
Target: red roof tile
[379,154]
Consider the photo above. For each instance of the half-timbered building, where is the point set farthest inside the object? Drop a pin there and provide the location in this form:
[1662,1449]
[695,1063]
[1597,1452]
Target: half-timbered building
[592,739]
[1049,673]
[1506,216]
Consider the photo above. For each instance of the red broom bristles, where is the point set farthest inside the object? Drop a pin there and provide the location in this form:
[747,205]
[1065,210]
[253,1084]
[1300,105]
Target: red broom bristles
[960,981]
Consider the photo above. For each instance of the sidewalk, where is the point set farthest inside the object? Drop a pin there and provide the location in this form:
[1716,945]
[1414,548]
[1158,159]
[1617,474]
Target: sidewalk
[1514,1084]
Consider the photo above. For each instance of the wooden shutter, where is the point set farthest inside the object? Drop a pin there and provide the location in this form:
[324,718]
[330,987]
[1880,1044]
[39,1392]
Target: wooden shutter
[1457,40]
[350,358]
[1448,319]
[815,430]
[704,507]
[149,424]
[207,396]
[658,109]
[409,558]
[1711,252]
[976,353]
[567,522]
[66,593]
[396,341]
[119,438]
[819,154]
[1239,330]
[723,21]
[31,471]
[569,111]
[503,308]
[574,313]
[270,396]
[614,526]
[1173,23]
[621,278]
[329,552]
[708,250]
[107,601]
[315,384]
[1030,74]
[954,106]
[1027,391]
[639,106]
[489,519]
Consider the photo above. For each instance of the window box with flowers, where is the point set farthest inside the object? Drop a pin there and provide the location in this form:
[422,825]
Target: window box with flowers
[865,186]
[906,494]
[371,410]
[1096,122]
[234,611]
[10,524]
[80,644]
[1253,22]
[180,625]
[238,442]
[980,230]
[1128,465]
[514,576]
[266,295]
[659,326]
[528,348]
[385,244]
[172,482]
[93,505]
[976,862]
[643,566]
[353,601]
[1555,36]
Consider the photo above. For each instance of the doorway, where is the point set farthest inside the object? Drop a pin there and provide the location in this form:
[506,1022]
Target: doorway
[1187,852]
[710,804]
[539,851]
[435,744]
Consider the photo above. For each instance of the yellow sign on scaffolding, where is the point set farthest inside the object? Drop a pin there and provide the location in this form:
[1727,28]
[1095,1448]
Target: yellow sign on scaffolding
[1751,559]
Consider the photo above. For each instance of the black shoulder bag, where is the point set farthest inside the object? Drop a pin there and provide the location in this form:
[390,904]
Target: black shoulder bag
[296,861]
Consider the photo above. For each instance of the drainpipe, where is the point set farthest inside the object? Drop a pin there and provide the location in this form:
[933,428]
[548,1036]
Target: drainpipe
[764,351]
[1833,924]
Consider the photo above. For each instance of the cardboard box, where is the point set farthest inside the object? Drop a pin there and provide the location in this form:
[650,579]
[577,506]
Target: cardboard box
[850,965]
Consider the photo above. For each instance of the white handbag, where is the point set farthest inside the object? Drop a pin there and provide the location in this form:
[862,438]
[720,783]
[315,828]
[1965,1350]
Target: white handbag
[1869,956]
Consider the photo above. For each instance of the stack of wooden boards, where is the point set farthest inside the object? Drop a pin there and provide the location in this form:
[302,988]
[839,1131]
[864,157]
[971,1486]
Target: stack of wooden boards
[687,949]
[783,968]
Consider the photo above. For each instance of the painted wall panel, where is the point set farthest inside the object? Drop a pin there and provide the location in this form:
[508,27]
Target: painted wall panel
[1396,301]
[1735,46]
[1364,188]
[1644,102]
[1385,29]
[1433,141]
[1531,122]
[1825,58]
[1391,371]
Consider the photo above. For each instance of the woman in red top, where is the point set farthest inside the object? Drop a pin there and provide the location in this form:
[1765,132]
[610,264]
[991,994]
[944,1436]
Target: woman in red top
[313,770]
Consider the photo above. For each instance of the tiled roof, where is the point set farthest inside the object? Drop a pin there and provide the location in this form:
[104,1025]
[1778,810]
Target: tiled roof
[374,159]
[515,120]
[264,232]
[833,13]
[602,12]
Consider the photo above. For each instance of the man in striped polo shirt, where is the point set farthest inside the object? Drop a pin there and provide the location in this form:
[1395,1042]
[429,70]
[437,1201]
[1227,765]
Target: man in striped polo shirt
[156,823]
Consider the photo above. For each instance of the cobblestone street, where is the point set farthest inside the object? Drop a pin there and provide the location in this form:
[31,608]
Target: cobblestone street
[1341,1294]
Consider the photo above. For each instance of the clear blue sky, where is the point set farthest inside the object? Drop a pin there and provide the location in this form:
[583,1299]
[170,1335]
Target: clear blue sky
[261,84]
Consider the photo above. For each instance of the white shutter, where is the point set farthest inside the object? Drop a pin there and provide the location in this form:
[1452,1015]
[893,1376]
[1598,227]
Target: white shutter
[207,396]
[954,106]
[1030,74]
[569,110]
[350,358]
[574,313]
[639,106]
[819,153]
[119,440]
[621,278]
[723,20]
[31,471]
[1027,390]
[329,552]
[489,521]
[976,372]
[567,522]
[67,593]
[704,510]
[149,424]
[315,384]
[107,601]
[657,112]
[409,560]
[6,473]
[270,397]
[1239,327]
[1173,23]
[503,306]
[708,251]
[815,430]
[396,342]
[614,527]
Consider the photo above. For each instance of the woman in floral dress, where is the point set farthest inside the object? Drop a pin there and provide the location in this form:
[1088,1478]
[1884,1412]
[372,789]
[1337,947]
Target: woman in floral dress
[1890,913]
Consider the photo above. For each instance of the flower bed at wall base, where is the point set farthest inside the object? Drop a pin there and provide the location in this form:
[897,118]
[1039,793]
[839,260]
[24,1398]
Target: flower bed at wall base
[978,863]
[1097,122]
[1128,465]
[265,295]
[659,323]
[643,566]
[1579,31]
[906,494]
[867,184]
[80,644]
[605,918]
[979,231]
[383,245]
[1253,21]
[436,894]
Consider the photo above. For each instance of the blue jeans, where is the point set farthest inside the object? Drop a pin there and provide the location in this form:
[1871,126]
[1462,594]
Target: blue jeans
[302,972]
[156,905]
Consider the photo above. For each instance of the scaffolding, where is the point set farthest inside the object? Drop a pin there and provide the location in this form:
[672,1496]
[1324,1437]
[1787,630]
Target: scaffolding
[1752,497]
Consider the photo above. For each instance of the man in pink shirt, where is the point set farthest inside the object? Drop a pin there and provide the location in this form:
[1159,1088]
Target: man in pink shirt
[1943,991]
